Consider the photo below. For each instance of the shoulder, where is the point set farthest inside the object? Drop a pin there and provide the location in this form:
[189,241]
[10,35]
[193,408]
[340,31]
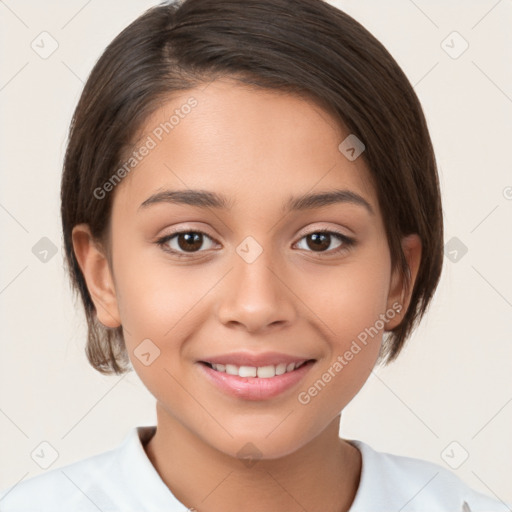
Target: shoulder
[121,479]
[414,485]
[70,487]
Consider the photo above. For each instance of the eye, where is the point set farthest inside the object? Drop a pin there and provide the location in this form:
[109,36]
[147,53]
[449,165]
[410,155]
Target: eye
[321,240]
[183,242]
[187,243]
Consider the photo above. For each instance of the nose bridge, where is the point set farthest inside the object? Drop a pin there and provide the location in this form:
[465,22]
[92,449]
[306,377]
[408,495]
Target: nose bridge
[254,294]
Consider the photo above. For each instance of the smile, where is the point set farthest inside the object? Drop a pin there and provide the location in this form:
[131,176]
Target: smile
[262,372]
[261,381]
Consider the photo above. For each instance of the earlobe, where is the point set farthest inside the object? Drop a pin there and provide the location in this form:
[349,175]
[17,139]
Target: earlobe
[399,296]
[98,276]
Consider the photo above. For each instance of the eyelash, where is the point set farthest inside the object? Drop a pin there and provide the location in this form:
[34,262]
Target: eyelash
[347,242]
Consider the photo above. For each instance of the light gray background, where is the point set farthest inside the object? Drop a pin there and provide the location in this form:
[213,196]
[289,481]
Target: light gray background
[453,381]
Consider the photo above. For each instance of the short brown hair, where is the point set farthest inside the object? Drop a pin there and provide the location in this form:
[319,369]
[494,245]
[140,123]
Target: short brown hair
[304,47]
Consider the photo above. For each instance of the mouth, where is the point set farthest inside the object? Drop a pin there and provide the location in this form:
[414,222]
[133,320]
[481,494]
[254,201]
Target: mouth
[261,372]
[255,383]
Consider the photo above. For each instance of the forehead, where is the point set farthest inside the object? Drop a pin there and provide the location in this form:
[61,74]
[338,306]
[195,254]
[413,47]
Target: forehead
[255,146]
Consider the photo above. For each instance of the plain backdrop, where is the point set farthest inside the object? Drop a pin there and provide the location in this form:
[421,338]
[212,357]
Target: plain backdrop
[448,398]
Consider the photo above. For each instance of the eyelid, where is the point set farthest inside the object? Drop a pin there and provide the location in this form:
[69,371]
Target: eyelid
[314,228]
[185,229]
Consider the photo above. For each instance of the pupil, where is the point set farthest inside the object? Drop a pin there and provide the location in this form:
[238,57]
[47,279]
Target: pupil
[192,241]
[320,240]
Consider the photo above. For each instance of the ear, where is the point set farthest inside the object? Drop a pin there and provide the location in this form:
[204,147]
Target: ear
[98,277]
[411,246]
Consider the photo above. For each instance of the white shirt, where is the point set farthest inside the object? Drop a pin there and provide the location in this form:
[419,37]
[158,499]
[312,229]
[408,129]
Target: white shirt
[124,480]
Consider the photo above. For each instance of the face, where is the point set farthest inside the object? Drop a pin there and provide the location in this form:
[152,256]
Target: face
[249,276]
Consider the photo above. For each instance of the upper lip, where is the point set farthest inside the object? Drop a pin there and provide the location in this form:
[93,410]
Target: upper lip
[257,360]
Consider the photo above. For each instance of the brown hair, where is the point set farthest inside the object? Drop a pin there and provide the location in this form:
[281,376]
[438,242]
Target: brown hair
[304,47]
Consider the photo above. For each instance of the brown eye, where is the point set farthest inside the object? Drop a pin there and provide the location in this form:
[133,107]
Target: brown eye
[183,242]
[189,241]
[320,241]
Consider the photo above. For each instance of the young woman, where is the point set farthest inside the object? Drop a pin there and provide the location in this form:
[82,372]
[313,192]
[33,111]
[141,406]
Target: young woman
[252,217]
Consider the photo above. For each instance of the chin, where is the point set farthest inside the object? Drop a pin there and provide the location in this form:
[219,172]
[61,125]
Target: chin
[261,446]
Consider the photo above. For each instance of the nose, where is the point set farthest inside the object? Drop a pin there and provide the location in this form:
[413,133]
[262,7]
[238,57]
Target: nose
[256,296]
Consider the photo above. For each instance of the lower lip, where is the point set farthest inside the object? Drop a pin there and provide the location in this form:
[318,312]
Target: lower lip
[254,388]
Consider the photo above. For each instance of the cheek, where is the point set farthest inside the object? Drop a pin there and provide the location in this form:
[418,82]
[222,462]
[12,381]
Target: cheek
[349,297]
[156,298]
[158,305]
[347,303]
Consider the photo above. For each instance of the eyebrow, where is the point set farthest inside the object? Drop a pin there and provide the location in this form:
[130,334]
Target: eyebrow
[206,199]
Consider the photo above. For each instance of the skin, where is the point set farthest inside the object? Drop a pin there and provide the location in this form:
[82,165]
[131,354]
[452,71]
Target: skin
[257,147]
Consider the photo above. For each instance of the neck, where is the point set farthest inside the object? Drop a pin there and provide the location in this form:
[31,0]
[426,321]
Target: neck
[322,475]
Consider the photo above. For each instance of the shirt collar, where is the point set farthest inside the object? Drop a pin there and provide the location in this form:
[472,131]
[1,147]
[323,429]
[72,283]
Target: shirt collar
[142,478]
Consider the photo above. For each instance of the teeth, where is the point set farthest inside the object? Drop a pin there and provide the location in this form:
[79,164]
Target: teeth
[263,372]
[231,369]
[280,369]
[247,371]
